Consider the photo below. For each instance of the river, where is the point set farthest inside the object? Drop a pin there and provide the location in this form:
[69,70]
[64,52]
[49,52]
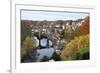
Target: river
[41,52]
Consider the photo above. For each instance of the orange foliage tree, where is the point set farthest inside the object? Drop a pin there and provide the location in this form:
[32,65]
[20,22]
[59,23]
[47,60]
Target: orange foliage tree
[83,29]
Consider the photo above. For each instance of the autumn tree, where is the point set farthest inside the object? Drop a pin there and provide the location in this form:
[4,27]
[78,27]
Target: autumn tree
[83,29]
[76,48]
[29,44]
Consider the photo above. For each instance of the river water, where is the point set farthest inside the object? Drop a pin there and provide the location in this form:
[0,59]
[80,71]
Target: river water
[39,54]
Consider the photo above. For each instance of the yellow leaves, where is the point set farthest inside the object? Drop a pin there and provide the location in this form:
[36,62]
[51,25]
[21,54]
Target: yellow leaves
[69,49]
[83,41]
[79,44]
[29,44]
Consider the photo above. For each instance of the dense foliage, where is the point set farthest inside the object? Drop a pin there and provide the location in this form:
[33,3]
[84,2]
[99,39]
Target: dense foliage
[29,44]
[76,48]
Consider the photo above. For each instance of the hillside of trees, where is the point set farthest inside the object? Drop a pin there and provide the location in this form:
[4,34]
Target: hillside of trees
[72,39]
[78,46]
